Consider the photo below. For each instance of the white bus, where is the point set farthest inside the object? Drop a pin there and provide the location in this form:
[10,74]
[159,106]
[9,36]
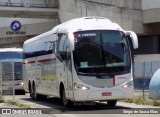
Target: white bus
[9,56]
[82,60]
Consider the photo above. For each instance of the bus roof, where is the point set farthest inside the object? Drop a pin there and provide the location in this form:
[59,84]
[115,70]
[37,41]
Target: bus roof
[84,23]
[89,23]
[11,49]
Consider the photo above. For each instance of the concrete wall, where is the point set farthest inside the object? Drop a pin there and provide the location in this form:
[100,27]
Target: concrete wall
[151,16]
[127,13]
[13,41]
[140,16]
[151,11]
[150,4]
[132,4]
[30,26]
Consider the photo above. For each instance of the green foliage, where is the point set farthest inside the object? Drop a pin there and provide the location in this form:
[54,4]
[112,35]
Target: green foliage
[22,105]
[1,98]
[17,104]
[156,102]
[129,100]
[139,100]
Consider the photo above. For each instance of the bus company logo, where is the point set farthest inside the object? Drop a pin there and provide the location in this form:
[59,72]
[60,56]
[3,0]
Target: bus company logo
[15,28]
[15,25]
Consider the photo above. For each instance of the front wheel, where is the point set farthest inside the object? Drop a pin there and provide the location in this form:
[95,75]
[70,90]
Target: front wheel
[112,102]
[65,101]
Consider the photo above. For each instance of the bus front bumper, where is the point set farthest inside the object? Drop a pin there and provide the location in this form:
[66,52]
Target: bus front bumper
[9,86]
[101,95]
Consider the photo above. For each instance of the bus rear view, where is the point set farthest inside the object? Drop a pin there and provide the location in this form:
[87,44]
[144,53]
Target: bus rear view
[7,57]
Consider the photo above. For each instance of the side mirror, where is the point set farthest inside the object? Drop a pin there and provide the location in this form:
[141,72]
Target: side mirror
[134,38]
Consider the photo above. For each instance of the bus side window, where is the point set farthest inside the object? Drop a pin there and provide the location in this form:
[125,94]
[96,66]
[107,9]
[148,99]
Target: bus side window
[62,47]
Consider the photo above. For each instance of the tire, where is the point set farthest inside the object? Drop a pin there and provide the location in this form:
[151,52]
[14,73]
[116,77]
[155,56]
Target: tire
[36,96]
[30,89]
[112,102]
[30,93]
[33,92]
[65,101]
[23,92]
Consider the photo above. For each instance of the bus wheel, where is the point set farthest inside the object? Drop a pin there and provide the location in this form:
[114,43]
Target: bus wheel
[33,92]
[30,89]
[66,102]
[112,102]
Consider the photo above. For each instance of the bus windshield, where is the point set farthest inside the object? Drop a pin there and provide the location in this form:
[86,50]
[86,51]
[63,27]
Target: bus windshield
[15,57]
[10,56]
[101,51]
[18,70]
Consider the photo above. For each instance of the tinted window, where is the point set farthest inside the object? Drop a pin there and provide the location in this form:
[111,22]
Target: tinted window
[10,56]
[101,52]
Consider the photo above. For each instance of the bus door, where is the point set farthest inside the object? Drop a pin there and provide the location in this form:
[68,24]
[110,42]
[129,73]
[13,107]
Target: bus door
[69,72]
[63,63]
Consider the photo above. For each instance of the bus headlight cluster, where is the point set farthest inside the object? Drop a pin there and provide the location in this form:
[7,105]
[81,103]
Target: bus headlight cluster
[22,83]
[80,87]
[127,85]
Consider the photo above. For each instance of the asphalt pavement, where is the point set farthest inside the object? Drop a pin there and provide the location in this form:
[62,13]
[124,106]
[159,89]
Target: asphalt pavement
[54,108]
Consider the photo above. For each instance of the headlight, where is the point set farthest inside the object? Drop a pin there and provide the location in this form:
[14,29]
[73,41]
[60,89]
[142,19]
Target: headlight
[128,85]
[80,87]
[22,83]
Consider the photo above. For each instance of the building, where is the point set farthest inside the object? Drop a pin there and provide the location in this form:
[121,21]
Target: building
[38,16]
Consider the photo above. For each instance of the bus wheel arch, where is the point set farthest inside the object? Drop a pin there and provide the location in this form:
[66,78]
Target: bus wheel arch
[63,97]
[61,90]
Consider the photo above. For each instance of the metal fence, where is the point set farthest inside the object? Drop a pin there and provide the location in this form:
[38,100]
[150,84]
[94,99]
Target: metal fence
[143,72]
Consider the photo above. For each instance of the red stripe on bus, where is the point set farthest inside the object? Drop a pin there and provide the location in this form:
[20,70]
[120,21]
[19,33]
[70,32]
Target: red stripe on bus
[47,60]
[43,60]
[29,62]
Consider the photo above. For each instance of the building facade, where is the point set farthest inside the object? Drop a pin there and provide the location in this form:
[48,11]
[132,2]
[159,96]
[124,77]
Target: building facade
[38,16]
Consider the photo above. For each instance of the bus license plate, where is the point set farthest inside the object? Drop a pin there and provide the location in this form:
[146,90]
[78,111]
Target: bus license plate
[106,93]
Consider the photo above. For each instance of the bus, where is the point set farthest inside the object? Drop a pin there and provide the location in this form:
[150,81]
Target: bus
[9,56]
[82,60]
